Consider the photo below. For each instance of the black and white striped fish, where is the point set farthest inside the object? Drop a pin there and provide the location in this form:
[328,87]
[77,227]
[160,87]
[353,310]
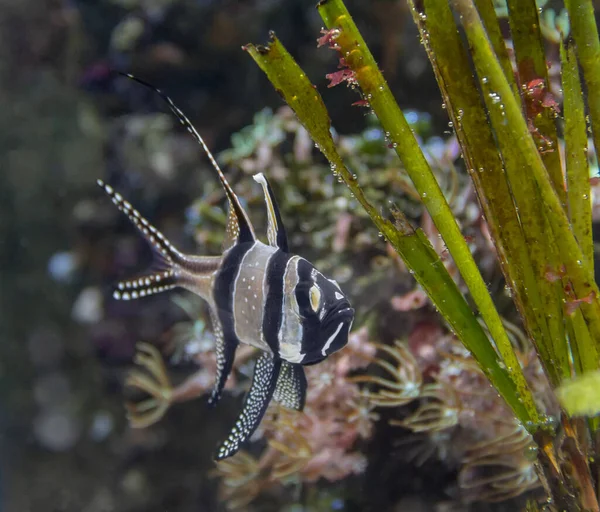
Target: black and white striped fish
[259,294]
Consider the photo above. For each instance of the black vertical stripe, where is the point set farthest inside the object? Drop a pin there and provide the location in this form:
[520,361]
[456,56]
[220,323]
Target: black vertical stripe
[310,320]
[224,288]
[303,287]
[246,234]
[272,314]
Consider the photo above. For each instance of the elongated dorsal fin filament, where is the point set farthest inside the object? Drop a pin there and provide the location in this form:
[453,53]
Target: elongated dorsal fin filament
[239,227]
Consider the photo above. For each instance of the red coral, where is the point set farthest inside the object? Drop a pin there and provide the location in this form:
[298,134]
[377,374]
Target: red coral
[343,75]
[573,304]
[538,98]
[328,38]
[551,275]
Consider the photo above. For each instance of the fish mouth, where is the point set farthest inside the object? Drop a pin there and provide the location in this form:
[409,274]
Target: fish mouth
[335,333]
[345,315]
[332,335]
[333,316]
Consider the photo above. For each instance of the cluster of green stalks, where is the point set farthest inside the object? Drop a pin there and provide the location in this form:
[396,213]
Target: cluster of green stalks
[537,205]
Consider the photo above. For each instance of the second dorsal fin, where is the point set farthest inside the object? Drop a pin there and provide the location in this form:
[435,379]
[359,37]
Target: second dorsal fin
[239,227]
[275,230]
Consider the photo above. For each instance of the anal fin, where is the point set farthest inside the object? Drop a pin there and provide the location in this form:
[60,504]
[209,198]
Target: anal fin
[264,380]
[291,386]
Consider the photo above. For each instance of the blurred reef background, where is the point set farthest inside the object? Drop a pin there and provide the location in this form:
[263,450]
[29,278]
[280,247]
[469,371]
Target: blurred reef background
[67,348]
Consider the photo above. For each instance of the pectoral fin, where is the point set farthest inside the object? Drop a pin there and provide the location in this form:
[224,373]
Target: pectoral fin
[275,230]
[291,386]
[266,373]
[225,351]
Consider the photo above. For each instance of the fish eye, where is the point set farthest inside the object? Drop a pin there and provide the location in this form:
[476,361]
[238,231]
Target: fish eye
[315,297]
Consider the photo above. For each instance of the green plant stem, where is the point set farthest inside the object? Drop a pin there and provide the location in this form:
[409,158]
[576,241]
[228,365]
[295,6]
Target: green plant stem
[578,194]
[577,269]
[360,60]
[531,65]
[548,335]
[585,33]
[583,361]
[579,336]
[578,169]
[490,21]
[485,166]
[412,245]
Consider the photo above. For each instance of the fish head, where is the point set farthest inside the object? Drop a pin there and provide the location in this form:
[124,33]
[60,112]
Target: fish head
[326,314]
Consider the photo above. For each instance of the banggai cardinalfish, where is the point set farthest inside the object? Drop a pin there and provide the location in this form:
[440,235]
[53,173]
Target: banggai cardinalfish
[259,294]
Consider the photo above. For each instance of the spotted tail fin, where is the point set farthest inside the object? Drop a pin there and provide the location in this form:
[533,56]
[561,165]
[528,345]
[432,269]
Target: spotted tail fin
[239,227]
[155,282]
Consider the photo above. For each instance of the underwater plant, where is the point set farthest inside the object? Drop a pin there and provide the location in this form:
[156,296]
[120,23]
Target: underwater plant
[458,418]
[337,418]
[337,397]
[537,208]
[319,442]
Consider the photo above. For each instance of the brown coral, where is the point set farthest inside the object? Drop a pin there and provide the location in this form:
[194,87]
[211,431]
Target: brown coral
[459,416]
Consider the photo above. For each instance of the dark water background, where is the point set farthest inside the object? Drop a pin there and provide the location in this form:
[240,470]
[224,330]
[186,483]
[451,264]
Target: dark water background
[64,345]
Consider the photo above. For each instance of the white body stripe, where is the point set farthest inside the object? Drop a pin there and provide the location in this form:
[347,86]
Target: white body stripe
[290,332]
[249,295]
[331,338]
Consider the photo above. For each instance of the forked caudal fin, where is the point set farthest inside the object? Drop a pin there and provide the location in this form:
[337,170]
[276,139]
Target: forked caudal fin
[155,282]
